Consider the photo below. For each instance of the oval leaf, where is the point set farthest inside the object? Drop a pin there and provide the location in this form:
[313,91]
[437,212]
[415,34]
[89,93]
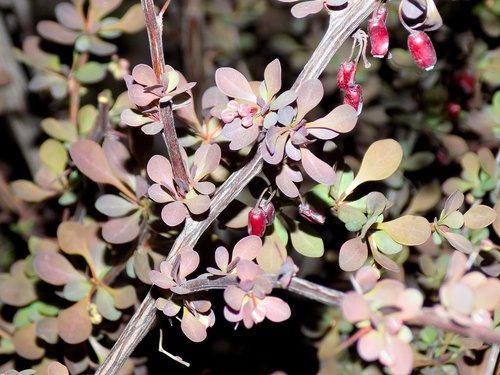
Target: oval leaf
[74,324]
[478,217]
[407,230]
[307,241]
[353,254]
[54,268]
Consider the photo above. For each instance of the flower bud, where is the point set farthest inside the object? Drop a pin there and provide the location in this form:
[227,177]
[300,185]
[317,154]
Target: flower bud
[345,75]
[422,50]
[256,222]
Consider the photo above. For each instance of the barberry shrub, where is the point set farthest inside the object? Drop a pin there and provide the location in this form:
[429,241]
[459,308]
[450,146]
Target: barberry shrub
[241,169]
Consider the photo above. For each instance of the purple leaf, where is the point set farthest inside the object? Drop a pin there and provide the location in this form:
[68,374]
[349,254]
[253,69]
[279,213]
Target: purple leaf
[247,248]
[55,32]
[277,310]
[114,205]
[306,8]
[54,268]
[284,99]
[234,84]
[205,188]
[285,183]
[189,262]
[67,15]
[192,327]
[174,213]
[198,205]
[272,78]
[161,280]
[118,157]
[355,308]
[292,151]
[144,75]
[316,168]
[308,96]
[370,346]
[73,323]
[367,277]
[222,258]
[122,230]
[206,160]
[160,171]
[133,118]
[240,136]
[158,194]
[353,254]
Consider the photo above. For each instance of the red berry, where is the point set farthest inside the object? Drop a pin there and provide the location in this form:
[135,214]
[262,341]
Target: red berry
[269,211]
[345,75]
[466,81]
[256,222]
[453,109]
[422,50]
[379,38]
[354,97]
[311,214]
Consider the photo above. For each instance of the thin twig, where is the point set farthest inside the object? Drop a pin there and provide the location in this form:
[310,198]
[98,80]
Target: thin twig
[339,29]
[492,360]
[154,26]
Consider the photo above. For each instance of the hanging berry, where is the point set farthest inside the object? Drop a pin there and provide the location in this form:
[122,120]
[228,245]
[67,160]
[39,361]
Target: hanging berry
[256,222]
[421,50]
[354,97]
[377,32]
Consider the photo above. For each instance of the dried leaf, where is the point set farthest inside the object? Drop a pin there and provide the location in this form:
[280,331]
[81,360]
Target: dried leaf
[353,254]
[480,216]
[380,161]
[73,324]
[407,230]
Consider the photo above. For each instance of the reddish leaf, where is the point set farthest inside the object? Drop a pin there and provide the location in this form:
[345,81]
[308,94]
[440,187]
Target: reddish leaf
[353,254]
[277,310]
[122,230]
[308,96]
[234,84]
[316,168]
[24,340]
[355,308]
[74,324]
[54,268]
[192,327]
[57,33]
[174,213]
[272,78]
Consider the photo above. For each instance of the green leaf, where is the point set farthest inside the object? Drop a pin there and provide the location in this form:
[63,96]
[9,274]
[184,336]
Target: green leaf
[386,244]
[352,217]
[453,220]
[280,230]
[87,118]
[54,155]
[307,241]
[29,192]
[106,306]
[62,130]
[407,230]
[380,161]
[418,161]
[91,72]
[76,290]
[273,253]
[113,205]
[479,217]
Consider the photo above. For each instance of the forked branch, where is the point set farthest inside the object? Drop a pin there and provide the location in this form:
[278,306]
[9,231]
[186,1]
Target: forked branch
[340,27]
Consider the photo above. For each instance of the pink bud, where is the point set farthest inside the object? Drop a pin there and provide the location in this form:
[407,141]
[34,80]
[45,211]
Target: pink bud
[256,222]
[227,115]
[354,97]
[379,38]
[422,50]
[247,121]
[345,76]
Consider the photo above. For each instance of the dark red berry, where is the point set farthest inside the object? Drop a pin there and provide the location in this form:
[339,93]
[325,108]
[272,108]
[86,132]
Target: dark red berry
[422,50]
[354,97]
[453,109]
[269,211]
[379,38]
[346,74]
[310,214]
[466,81]
[256,222]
